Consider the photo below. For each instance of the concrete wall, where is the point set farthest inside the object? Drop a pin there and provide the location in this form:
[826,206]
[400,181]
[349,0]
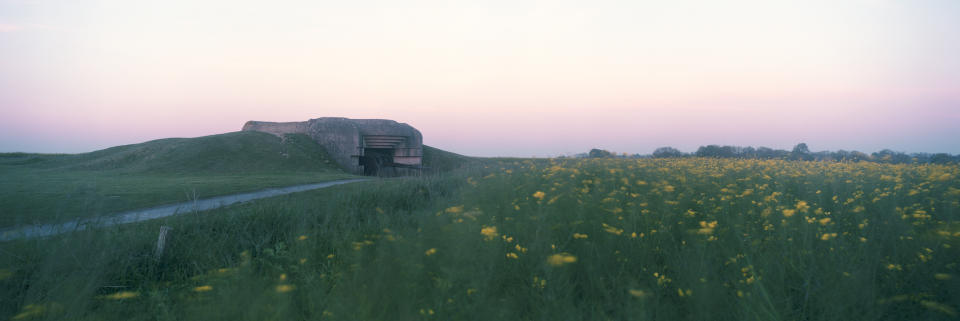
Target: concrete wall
[342,137]
[276,128]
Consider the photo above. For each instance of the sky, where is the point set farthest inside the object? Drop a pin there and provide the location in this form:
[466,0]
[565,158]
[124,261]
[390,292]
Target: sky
[488,78]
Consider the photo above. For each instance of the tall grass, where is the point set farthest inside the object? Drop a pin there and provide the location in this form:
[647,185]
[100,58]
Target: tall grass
[693,239]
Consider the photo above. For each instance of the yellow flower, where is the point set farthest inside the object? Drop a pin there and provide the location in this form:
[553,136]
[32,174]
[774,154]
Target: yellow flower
[579,236]
[802,206]
[668,188]
[431,251]
[284,288]
[612,229]
[30,311]
[825,221]
[123,295]
[454,209]
[828,236]
[789,212]
[939,307]
[706,228]
[542,283]
[202,288]
[560,259]
[539,195]
[489,232]
[512,255]
[520,248]
[302,237]
[638,293]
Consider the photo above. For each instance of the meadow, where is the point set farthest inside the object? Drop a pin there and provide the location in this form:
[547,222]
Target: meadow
[520,239]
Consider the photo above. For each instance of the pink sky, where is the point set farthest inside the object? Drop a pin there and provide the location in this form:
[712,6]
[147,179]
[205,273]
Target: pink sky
[506,78]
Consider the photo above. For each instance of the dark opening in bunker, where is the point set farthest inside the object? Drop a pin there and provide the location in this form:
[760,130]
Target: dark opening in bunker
[377,161]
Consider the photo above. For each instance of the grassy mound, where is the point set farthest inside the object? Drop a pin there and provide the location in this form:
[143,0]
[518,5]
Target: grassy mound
[40,188]
[231,153]
[438,161]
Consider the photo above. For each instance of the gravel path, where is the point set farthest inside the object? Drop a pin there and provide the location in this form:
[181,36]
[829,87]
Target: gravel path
[158,212]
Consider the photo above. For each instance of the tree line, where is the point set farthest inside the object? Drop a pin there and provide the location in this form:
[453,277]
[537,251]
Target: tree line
[800,152]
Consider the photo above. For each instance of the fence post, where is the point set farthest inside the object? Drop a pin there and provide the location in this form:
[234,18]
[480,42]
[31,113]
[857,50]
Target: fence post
[161,241]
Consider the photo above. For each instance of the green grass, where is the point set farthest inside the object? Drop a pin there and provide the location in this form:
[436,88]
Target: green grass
[691,239]
[440,161]
[36,188]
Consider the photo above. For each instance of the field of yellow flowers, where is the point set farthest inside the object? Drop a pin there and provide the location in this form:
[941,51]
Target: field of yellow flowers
[681,239]
[719,239]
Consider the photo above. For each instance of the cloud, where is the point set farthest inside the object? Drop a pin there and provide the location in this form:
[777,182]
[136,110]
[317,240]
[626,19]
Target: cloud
[9,28]
[6,27]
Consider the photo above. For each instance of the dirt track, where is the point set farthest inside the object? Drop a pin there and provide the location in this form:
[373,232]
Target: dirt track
[157,212]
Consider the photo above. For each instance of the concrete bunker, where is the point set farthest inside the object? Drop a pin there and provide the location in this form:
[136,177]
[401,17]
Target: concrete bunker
[375,147]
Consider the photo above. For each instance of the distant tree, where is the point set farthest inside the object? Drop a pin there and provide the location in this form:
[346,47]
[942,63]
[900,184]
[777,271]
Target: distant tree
[667,152]
[599,153]
[941,158]
[822,156]
[840,155]
[859,156]
[728,151]
[748,152]
[708,151]
[715,151]
[801,152]
[901,158]
[889,156]
[765,153]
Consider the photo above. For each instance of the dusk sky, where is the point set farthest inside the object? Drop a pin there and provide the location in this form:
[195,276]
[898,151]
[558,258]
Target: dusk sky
[488,78]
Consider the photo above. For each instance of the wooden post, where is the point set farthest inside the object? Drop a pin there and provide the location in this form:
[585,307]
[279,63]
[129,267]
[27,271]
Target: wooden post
[161,241]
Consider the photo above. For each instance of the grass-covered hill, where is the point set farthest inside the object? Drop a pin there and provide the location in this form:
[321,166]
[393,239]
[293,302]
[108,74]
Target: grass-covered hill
[231,153]
[46,188]
[436,160]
